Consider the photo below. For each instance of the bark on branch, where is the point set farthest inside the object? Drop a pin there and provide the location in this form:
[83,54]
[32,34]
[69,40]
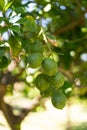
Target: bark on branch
[13,120]
[70,26]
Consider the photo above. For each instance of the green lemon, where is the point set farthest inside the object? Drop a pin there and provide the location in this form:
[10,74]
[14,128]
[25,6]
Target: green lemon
[41,82]
[58,80]
[58,100]
[35,60]
[48,92]
[37,47]
[50,66]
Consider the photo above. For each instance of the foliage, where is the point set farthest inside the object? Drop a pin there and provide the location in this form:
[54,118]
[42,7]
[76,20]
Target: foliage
[43,38]
[82,126]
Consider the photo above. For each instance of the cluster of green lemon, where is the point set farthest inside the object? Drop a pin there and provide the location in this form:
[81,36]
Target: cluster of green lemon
[50,80]
[36,54]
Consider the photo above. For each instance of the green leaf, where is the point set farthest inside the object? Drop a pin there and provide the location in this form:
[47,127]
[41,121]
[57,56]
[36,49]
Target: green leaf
[3,29]
[8,5]
[17,3]
[67,88]
[50,36]
[3,62]
[6,20]
[28,24]
[23,20]
[16,29]
[15,46]
[2,4]
[1,19]
[3,50]
[19,10]
[1,42]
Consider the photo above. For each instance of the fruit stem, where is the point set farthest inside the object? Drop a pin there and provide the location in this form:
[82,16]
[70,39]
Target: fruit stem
[45,39]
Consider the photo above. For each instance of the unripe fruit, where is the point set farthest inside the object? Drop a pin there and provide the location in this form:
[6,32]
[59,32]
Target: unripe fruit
[50,66]
[58,80]
[41,82]
[48,92]
[35,60]
[37,47]
[58,100]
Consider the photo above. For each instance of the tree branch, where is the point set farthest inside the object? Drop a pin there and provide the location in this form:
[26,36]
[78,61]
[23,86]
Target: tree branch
[66,28]
[72,24]
[8,111]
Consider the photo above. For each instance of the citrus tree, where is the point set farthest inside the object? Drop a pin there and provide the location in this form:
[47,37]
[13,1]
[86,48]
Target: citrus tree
[43,52]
